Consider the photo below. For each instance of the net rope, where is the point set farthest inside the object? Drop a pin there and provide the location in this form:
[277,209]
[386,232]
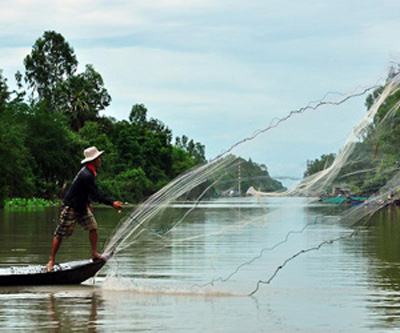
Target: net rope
[155,216]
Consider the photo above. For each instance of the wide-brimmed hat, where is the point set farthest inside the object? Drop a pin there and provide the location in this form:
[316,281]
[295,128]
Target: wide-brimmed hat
[91,154]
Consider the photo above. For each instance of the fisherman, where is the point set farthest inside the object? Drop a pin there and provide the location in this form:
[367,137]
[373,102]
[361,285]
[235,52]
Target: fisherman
[77,206]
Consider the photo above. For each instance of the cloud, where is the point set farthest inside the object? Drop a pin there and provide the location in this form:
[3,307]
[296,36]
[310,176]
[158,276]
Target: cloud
[217,70]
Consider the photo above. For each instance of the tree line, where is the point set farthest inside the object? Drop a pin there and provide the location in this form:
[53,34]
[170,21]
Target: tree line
[54,114]
[249,174]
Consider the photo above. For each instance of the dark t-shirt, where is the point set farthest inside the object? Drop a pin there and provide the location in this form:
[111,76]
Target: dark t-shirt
[83,188]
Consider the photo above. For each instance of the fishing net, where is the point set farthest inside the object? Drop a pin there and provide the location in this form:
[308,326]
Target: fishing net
[182,225]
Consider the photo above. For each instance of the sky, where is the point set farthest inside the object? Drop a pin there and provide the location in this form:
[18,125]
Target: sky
[216,71]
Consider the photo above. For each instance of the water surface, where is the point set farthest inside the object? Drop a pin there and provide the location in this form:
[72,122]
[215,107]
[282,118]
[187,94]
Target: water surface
[199,277]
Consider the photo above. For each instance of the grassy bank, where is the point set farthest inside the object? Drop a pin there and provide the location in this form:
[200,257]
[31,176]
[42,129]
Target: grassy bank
[30,203]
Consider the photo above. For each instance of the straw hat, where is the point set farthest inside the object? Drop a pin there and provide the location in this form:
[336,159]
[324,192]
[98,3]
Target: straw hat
[91,154]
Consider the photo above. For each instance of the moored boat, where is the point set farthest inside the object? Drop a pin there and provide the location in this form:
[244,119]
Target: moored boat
[344,200]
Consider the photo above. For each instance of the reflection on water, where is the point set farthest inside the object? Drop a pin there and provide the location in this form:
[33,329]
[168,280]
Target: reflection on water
[184,282]
[54,310]
[382,248]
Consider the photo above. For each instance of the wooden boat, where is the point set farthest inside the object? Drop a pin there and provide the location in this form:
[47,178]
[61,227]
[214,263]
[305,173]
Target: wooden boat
[73,272]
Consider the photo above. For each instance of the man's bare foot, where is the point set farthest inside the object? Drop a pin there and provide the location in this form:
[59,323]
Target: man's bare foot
[49,266]
[97,256]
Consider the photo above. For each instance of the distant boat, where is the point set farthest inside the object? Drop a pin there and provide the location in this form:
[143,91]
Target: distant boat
[344,199]
[73,272]
[253,192]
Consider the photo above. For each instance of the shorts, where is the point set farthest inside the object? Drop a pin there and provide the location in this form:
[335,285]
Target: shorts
[68,219]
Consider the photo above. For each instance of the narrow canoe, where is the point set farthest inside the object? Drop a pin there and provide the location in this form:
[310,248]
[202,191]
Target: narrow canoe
[73,272]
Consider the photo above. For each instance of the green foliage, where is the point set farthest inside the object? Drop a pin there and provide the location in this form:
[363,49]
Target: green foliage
[138,114]
[380,146]
[181,161]
[51,62]
[37,149]
[361,159]
[195,149]
[319,164]
[4,93]
[54,147]
[50,72]
[129,186]
[16,176]
[30,203]
[93,134]
[41,142]
[257,175]
[81,97]
[251,175]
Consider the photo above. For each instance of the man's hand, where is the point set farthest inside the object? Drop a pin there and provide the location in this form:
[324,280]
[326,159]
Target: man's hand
[118,205]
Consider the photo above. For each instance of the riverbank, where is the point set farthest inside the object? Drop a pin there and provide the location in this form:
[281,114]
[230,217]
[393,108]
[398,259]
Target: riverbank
[30,203]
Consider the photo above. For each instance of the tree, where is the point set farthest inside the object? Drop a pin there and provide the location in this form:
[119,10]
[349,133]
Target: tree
[138,114]
[4,93]
[139,147]
[55,148]
[181,161]
[93,134]
[319,164]
[62,119]
[51,62]
[16,177]
[195,149]
[251,175]
[128,146]
[81,97]
[151,140]
[50,71]
[131,185]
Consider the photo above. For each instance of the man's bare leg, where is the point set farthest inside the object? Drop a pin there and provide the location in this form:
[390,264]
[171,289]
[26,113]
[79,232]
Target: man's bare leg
[55,247]
[93,243]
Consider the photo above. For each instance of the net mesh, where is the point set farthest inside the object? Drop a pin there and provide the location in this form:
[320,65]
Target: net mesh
[363,173]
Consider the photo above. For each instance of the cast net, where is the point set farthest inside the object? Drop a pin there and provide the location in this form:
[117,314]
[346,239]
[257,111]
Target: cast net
[236,221]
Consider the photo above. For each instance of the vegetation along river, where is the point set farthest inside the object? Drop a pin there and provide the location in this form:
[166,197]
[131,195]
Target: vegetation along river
[202,284]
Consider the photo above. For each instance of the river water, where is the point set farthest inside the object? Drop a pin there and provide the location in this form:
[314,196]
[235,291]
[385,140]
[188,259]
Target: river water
[189,283]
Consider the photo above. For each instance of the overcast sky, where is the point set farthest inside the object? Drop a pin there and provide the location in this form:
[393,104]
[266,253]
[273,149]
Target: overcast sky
[217,71]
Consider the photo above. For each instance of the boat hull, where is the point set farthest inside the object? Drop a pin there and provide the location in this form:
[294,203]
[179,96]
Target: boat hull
[74,272]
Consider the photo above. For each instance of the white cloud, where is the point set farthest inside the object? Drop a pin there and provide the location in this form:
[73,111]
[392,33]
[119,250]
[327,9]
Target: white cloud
[216,70]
